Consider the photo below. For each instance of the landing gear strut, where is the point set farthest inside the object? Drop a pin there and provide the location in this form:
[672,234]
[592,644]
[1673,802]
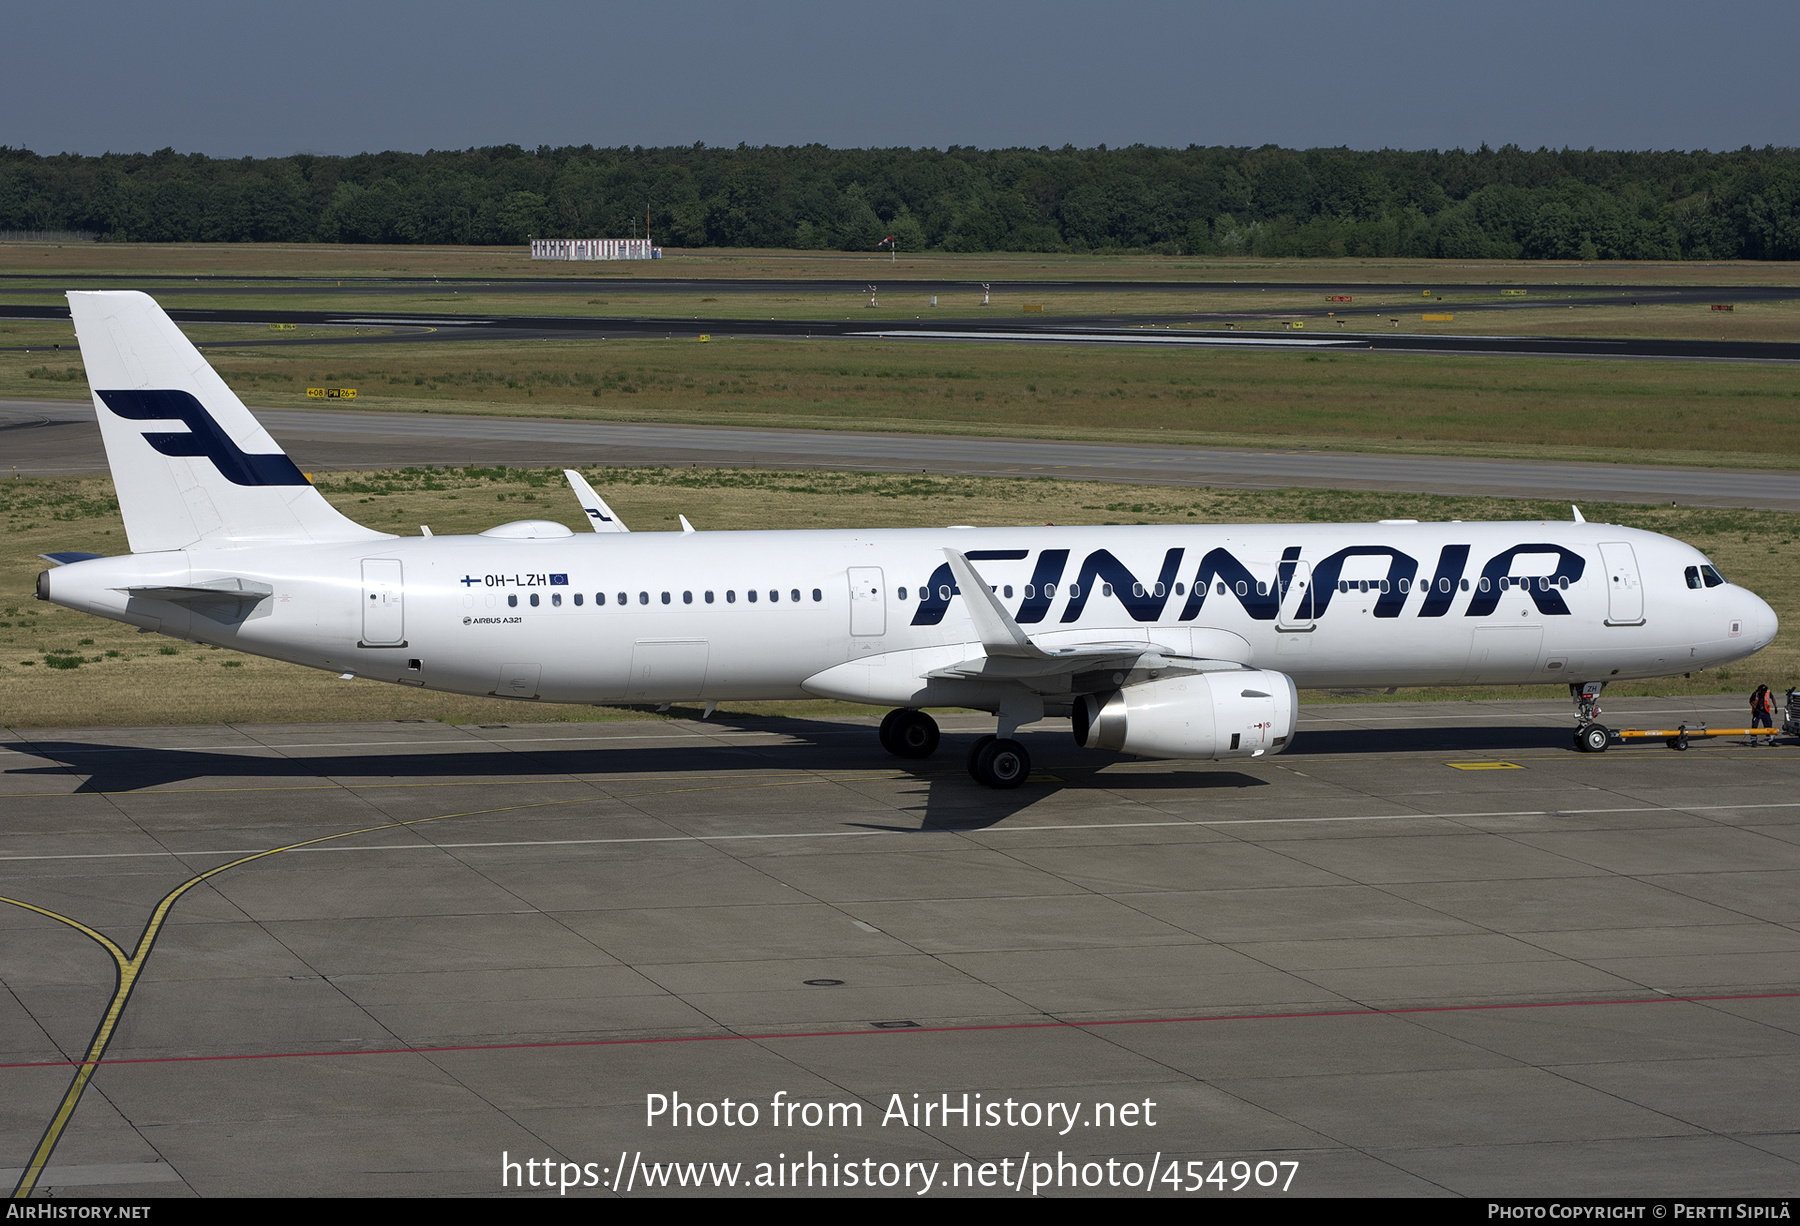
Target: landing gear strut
[907,733]
[1591,736]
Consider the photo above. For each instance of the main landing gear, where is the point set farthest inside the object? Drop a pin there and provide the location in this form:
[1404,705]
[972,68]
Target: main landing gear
[907,733]
[994,761]
[999,762]
[1591,736]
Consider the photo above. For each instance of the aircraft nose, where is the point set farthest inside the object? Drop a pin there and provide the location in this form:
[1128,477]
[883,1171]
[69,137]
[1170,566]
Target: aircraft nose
[1760,622]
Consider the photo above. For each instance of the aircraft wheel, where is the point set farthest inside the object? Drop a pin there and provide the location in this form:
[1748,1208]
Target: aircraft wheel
[913,734]
[1594,739]
[886,731]
[973,759]
[1002,764]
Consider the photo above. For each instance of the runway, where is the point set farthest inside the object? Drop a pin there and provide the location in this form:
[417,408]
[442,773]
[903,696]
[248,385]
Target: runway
[49,437]
[562,283]
[1249,332]
[1430,952]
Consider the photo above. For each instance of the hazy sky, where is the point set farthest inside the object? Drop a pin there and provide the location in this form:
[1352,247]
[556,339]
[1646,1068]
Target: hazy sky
[254,78]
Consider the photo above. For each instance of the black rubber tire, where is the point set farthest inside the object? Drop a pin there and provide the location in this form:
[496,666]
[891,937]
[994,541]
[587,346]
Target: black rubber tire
[973,758]
[914,734]
[1595,739]
[886,731]
[1002,764]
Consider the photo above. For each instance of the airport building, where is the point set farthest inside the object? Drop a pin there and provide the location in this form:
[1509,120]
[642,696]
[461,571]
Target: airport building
[594,249]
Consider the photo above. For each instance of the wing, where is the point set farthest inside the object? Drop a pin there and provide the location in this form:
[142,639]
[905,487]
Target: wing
[1008,653]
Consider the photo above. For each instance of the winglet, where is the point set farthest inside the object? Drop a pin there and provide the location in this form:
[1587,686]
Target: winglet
[1000,634]
[600,516]
[1578,516]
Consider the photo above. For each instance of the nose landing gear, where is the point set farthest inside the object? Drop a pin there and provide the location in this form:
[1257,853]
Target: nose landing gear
[1591,736]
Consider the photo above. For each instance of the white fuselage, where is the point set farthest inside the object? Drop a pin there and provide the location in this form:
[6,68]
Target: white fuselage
[866,616]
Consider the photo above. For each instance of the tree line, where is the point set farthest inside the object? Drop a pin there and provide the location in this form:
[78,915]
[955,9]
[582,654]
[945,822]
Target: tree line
[1506,203]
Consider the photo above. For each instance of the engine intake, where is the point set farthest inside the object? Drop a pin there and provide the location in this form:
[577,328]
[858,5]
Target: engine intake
[1202,715]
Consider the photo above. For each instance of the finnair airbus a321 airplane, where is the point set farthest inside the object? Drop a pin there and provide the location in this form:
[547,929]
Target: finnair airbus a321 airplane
[1165,642]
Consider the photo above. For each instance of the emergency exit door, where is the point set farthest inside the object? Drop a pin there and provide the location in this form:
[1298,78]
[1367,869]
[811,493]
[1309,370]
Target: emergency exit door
[1297,600]
[868,602]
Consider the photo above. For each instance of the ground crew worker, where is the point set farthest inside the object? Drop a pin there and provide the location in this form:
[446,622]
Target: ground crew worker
[1762,714]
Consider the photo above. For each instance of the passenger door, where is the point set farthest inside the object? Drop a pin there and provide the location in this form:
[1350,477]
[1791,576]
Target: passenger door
[1624,587]
[384,612]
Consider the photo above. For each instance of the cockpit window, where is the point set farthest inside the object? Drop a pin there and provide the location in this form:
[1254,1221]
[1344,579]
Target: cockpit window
[1693,577]
[1712,576]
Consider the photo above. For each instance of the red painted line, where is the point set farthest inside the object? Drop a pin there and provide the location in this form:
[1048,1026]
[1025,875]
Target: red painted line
[863,1034]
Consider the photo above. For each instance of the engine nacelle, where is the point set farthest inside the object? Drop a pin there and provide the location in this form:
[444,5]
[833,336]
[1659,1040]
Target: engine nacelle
[1242,714]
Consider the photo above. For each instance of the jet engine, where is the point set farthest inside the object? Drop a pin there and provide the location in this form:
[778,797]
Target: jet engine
[1240,714]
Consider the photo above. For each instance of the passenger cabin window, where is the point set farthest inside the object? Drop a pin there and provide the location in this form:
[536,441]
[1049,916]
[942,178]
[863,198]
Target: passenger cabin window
[687,598]
[534,600]
[556,600]
[750,595]
[902,593]
[730,596]
[577,600]
[709,598]
[819,596]
[512,602]
[623,599]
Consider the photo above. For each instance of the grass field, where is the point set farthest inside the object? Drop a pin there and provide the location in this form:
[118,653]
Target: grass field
[1647,412]
[326,260]
[61,668]
[1735,414]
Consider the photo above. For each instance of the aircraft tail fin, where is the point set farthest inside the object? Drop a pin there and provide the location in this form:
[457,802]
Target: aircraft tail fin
[192,467]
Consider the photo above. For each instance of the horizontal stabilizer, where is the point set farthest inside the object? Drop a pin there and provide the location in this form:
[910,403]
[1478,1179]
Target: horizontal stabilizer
[63,559]
[222,591]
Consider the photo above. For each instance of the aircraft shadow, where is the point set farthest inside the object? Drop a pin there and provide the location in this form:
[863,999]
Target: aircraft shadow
[1469,738]
[947,799]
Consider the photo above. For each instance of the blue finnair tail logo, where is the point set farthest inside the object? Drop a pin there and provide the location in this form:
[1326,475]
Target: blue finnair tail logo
[204,438]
